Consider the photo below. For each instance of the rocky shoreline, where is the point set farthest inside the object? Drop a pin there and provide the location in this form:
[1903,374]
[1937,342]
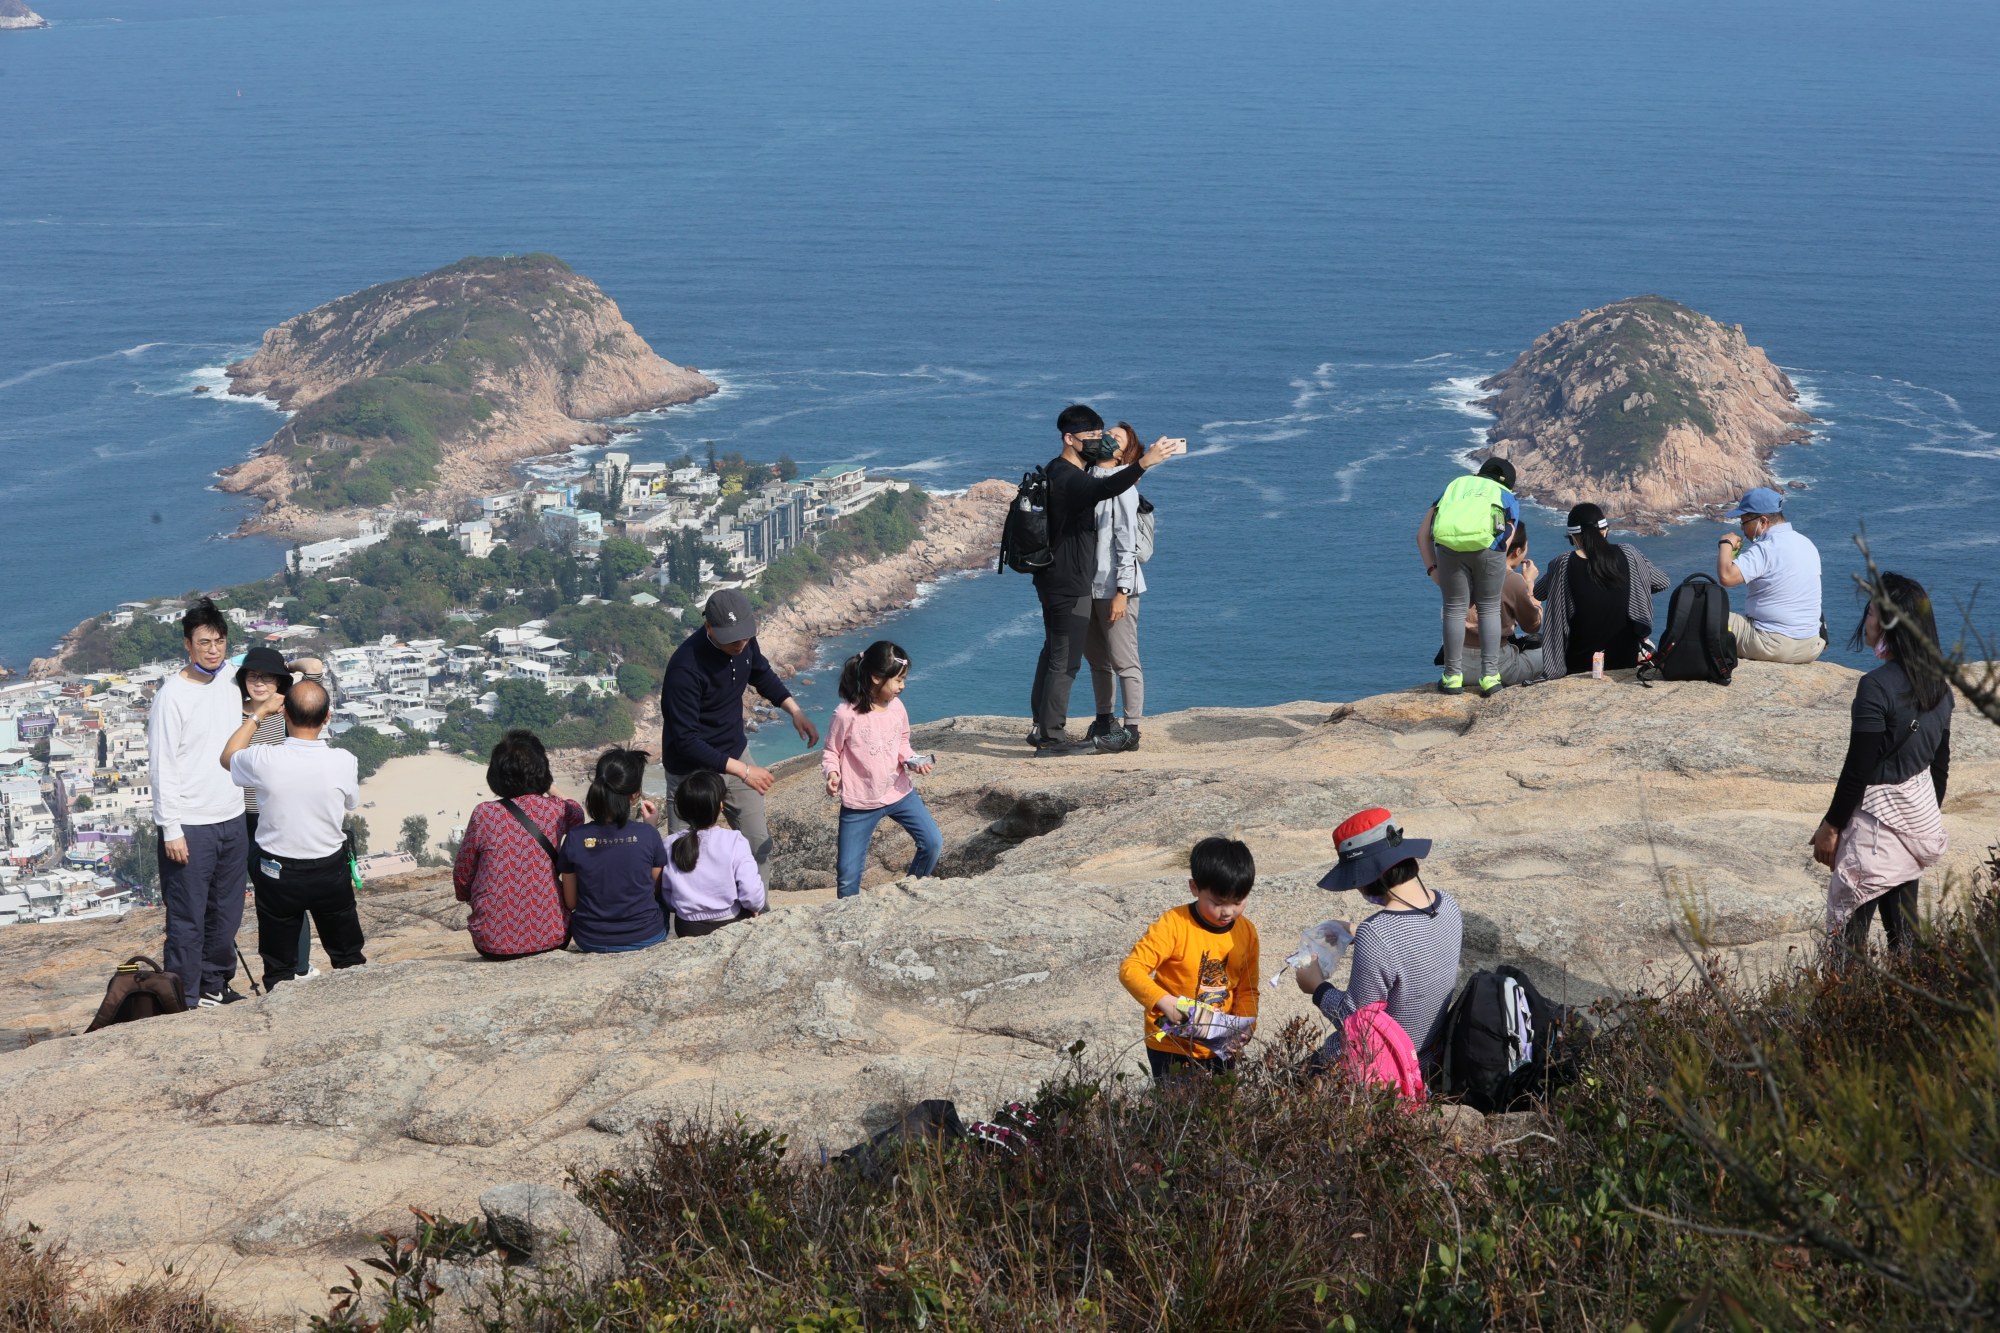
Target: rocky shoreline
[960,533]
[1656,412]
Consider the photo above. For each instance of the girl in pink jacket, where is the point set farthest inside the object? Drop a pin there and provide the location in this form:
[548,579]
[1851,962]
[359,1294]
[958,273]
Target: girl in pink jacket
[868,762]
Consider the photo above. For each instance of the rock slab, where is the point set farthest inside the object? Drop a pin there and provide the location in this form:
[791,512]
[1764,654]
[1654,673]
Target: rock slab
[1577,823]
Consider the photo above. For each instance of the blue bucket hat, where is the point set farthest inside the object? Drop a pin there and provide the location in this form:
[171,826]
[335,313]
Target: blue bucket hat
[1759,500]
[1369,843]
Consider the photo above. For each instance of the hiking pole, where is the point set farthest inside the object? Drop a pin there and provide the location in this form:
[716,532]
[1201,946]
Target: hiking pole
[255,989]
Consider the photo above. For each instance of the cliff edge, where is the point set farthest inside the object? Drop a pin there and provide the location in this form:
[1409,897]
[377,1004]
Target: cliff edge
[266,1142]
[440,382]
[16,15]
[1650,409]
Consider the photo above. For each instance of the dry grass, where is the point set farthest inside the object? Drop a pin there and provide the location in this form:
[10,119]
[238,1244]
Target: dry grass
[44,1290]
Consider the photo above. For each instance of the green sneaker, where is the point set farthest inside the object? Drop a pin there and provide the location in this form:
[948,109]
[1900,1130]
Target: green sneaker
[1451,685]
[1489,685]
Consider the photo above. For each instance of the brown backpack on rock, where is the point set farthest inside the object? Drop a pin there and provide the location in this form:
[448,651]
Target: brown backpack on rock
[139,989]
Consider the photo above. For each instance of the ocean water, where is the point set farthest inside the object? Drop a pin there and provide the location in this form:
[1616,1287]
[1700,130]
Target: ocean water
[908,233]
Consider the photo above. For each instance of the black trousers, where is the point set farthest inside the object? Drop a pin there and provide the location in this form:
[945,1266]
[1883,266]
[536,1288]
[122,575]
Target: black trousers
[1899,919]
[305,926]
[319,887]
[688,930]
[1169,1064]
[1065,626]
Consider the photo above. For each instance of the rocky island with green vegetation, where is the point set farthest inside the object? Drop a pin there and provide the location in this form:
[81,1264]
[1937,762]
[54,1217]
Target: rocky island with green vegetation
[437,384]
[15,14]
[1650,409]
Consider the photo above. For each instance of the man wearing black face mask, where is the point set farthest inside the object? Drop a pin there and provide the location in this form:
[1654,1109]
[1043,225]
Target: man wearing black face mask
[1064,586]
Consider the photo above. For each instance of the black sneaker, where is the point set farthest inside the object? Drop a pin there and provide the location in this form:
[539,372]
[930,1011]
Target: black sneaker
[1055,743]
[1035,736]
[216,999]
[1100,726]
[1117,741]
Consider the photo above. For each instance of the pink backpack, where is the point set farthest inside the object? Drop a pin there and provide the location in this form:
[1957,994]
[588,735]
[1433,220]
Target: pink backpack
[1377,1050]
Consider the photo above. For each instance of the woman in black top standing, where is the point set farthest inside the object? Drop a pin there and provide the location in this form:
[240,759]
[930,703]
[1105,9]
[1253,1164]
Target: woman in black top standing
[1883,827]
[1597,598]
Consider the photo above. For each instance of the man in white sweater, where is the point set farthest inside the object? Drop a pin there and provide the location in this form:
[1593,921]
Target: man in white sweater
[204,847]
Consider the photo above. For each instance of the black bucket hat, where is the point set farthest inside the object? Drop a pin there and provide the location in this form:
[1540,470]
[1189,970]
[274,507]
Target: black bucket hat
[267,660]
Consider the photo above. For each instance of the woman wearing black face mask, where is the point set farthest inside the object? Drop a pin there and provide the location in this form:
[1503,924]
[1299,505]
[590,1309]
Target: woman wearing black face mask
[1063,585]
[1406,954]
[1112,644]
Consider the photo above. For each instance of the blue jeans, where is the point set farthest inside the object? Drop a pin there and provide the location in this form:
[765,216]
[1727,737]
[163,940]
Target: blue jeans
[660,938]
[858,826]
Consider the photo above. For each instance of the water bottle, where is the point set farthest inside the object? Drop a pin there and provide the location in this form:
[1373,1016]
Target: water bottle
[1325,944]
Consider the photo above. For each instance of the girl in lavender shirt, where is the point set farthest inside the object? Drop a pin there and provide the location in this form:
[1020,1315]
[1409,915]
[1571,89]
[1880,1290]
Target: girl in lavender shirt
[868,762]
[711,876]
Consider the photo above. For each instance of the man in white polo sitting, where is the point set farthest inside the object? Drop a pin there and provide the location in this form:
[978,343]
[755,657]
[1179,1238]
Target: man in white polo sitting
[1778,569]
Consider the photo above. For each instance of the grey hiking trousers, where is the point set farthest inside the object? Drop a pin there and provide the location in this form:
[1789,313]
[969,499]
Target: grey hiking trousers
[1112,649]
[1469,577]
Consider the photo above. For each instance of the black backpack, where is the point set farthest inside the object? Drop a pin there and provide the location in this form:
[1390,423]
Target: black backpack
[1697,644]
[1504,1042]
[1024,537]
[934,1120]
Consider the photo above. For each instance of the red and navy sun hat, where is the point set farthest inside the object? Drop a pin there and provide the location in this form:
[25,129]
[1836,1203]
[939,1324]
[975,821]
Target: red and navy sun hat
[1369,843]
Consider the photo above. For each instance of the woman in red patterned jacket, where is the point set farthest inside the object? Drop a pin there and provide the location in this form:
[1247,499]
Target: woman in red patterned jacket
[504,869]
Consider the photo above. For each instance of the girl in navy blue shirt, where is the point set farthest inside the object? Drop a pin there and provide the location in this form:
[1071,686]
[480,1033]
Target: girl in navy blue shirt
[611,865]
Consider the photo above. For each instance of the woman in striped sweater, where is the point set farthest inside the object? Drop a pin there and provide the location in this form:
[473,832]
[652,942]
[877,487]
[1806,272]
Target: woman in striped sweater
[1406,955]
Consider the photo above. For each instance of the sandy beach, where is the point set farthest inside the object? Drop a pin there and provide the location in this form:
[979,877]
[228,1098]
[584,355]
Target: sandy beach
[442,788]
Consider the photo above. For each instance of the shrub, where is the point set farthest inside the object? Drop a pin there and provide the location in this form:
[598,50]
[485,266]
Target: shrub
[1818,1152]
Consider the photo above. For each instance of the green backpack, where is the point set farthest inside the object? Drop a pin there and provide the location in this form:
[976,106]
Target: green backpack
[1470,514]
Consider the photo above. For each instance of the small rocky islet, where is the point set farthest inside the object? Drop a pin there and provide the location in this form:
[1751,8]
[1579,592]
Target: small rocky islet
[1655,411]
[15,16]
[439,383]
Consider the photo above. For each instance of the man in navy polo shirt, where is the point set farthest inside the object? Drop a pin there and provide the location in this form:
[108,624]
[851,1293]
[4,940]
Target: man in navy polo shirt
[701,710]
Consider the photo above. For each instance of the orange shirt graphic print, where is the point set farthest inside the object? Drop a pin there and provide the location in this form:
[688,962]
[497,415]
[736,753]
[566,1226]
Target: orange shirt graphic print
[1212,981]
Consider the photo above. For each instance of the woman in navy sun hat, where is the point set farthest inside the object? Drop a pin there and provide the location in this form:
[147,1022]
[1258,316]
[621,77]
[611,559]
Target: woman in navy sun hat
[1406,954]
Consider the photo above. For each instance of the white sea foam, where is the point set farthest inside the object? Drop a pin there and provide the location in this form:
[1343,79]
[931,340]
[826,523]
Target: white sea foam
[216,380]
[1208,451]
[1019,627]
[52,367]
[921,465]
[1460,392]
[1350,473]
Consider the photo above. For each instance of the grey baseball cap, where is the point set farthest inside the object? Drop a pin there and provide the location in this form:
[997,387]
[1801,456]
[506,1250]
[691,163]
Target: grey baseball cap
[729,617]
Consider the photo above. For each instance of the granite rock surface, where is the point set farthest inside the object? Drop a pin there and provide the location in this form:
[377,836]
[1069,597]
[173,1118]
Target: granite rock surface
[1577,823]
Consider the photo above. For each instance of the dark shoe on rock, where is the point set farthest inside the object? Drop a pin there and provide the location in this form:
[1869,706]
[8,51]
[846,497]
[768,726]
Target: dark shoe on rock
[1118,741]
[1099,727]
[216,999]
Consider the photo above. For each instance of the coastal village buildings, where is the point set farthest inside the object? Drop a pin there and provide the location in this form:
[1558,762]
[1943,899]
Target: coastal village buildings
[73,752]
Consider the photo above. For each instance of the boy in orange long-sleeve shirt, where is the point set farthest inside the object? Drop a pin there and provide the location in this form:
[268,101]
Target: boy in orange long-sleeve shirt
[1203,953]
